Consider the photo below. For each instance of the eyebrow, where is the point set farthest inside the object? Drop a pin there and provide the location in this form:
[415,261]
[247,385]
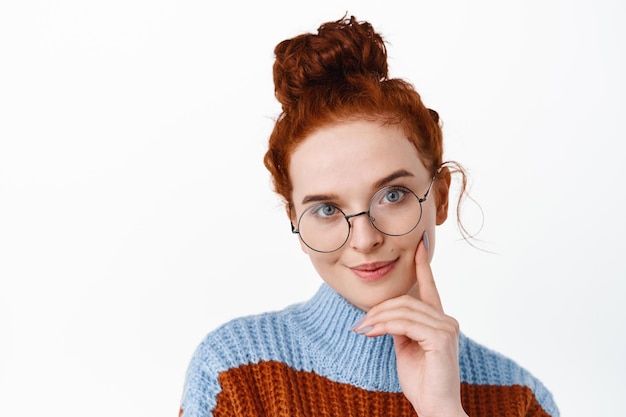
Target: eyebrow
[379,184]
[393,176]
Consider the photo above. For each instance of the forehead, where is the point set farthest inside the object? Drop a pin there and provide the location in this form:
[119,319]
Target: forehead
[351,157]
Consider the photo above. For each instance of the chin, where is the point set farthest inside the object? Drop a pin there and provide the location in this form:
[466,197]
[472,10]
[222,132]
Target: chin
[378,296]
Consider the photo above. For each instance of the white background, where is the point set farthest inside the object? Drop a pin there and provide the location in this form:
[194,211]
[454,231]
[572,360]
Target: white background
[136,214]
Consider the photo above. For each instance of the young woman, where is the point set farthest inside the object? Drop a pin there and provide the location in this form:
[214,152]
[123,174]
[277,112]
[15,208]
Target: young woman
[358,160]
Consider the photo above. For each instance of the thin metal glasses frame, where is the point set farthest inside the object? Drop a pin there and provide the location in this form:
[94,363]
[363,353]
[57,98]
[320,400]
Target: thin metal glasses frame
[367,212]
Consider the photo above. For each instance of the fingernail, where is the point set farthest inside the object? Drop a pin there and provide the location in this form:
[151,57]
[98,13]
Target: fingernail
[357,323]
[426,243]
[365,329]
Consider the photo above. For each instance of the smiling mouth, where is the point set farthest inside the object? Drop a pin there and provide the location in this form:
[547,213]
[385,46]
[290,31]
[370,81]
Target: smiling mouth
[373,271]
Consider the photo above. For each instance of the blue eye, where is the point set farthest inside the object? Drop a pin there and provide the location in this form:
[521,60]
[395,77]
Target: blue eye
[394,195]
[324,210]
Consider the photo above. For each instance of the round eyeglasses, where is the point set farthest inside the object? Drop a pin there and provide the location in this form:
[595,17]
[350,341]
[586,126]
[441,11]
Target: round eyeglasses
[393,210]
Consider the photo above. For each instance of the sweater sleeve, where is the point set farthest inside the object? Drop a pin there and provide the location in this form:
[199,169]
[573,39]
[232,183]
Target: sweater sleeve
[201,384]
[543,403]
[489,377]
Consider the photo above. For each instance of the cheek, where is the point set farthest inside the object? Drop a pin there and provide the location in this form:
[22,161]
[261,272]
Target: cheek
[304,247]
[322,261]
[408,243]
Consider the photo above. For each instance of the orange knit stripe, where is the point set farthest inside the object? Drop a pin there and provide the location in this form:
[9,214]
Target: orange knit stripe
[274,389]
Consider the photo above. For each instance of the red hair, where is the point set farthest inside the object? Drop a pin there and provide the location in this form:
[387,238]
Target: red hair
[340,74]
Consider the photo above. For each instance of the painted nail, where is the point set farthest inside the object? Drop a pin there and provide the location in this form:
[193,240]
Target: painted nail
[426,243]
[365,329]
[357,323]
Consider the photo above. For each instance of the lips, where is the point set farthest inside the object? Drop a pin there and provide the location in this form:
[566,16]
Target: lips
[373,271]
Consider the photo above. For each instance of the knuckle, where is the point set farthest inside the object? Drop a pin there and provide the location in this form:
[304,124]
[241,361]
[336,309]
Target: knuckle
[455,325]
[449,331]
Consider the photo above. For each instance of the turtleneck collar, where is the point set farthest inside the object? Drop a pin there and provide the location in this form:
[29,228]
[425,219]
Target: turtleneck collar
[323,325]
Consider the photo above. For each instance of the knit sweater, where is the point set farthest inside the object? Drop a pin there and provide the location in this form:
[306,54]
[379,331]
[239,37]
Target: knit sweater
[303,361]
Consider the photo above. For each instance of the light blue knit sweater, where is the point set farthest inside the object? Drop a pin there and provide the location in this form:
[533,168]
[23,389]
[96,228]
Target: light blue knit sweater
[313,339]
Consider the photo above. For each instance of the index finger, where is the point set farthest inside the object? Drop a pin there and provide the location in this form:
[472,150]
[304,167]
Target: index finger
[426,287]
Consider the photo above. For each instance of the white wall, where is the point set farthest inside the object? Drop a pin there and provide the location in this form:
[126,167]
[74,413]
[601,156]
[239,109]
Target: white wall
[136,215]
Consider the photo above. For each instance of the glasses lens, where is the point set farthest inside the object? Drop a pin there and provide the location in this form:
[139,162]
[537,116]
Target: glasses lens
[323,228]
[395,211]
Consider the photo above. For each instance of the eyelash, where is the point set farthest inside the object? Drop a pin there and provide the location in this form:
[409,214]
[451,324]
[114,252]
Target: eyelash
[391,187]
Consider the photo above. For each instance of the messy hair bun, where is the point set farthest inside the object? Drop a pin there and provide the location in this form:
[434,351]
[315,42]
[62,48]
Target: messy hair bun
[337,56]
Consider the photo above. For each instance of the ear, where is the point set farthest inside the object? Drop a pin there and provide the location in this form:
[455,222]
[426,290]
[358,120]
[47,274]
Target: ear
[291,214]
[441,191]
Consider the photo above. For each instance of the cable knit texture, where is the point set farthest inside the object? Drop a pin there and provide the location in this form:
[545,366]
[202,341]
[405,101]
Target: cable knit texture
[303,361]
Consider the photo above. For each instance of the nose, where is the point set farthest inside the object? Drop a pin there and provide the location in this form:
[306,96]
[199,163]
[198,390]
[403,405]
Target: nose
[363,235]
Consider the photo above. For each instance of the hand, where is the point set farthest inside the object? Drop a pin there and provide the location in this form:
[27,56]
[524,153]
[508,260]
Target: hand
[426,343]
